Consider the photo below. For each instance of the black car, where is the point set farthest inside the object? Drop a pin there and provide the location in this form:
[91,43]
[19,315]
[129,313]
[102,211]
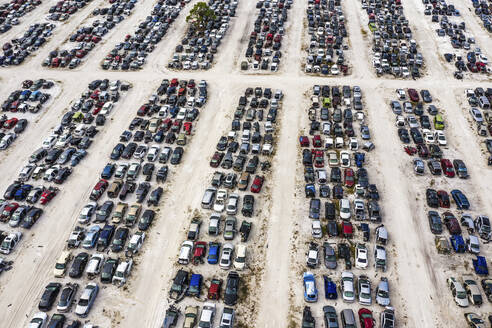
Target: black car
[248,205]
[222,144]
[104,211]
[232,288]
[117,151]
[11,190]
[62,175]
[105,236]
[146,220]
[176,156]
[129,150]
[307,318]
[78,265]
[57,321]
[31,217]
[435,222]
[335,174]
[108,270]
[49,296]
[403,134]
[67,297]
[155,196]
[119,240]
[142,191]
[20,126]
[460,168]
[330,212]
[431,196]
[416,136]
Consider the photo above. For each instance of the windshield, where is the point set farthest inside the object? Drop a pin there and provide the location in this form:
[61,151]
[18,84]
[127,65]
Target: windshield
[60,266]
[461,295]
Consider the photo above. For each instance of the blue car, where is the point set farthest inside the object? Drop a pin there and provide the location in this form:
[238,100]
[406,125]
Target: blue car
[330,288]
[22,192]
[108,171]
[460,199]
[458,243]
[213,253]
[195,285]
[310,290]
[480,266]
[310,190]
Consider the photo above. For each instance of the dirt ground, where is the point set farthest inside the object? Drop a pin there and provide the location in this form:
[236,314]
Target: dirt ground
[418,274]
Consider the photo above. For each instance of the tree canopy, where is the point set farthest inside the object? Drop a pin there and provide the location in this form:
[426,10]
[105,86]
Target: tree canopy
[200,15]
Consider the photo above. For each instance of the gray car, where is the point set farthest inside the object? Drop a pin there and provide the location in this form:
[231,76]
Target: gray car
[330,317]
[382,292]
[87,299]
[330,256]
[348,319]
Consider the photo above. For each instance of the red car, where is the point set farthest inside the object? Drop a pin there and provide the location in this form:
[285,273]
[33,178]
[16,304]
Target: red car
[443,198]
[8,211]
[216,159]
[447,167]
[347,229]
[451,223]
[174,82]
[200,249]
[413,94]
[48,195]
[143,110]
[423,151]
[214,289]
[319,160]
[187,127]
[366,319]
[348,177]
[166,124]
[99,189]
[257,184]
[304,141]
[10,123]
[317,141]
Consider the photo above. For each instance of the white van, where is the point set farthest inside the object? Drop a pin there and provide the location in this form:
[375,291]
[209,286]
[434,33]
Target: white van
[240,260]
[94,265]
[185,252]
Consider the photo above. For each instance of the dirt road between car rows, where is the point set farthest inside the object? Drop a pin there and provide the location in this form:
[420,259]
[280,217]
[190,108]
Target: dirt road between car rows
[425,302]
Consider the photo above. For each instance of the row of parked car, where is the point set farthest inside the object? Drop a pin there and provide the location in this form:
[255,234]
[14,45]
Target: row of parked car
[483,9]
[327,38]
[461,40]
[87,37]
[263,51]
[395,52]
[17,50]
[114,227]
[199,45]
[18,206]
[11,11]
[353,199]
[64,9]
[132,52]
[30,98]
[480,101]
[222,203]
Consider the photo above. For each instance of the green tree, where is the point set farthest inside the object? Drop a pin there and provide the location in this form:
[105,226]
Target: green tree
[200,15]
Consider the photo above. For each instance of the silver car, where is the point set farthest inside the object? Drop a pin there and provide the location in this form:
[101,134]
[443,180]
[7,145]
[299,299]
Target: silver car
[382,292]
[87,299]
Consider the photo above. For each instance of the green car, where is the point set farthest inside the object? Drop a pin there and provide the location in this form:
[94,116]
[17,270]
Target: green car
[438,122]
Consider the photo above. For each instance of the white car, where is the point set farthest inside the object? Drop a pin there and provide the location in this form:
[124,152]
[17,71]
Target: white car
[39,320]
[345,158]
[232,204]
[364,290]
[122,272]
[121,170]
[226,256]
[440,137]
[354,144]
[94,265]
[316,230]
[63,140]
[153,153]
[207,316]
[62,264]
[428,136]
[412,121]
[87,299]
[327,128]
[345,208]
[401,94]
[106,108]
[240,260]
[473,244]
[220,200]
[49,142]
[135,243]
[26,172]
[7,140]
[361,259]
[458,292]
[87,212]
[400,121]
[348,290]
[9,243]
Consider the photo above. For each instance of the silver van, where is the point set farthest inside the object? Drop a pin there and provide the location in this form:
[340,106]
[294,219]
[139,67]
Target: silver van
[208,197]
[483,102]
